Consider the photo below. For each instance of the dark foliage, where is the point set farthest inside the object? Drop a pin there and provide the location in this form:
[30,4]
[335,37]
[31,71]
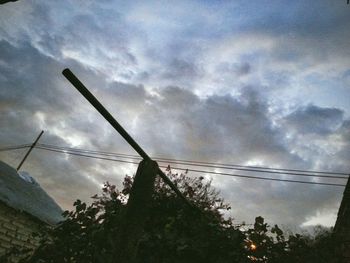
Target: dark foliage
[270,245]
[174,232]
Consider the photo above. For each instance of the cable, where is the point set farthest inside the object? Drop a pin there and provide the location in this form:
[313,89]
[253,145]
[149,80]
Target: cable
[261,171]
[181,162]
[132,156]
[255,177]
[193,170]
[197,162]
[263,168]
[210,165]
[85,155]
[16,147]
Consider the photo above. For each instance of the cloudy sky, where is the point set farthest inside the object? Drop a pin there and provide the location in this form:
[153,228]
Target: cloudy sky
[260,82]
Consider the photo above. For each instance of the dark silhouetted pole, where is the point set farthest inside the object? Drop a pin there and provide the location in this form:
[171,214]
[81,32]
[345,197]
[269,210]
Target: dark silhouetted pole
[342,227]
[102,110]
[30,149]
[137,212]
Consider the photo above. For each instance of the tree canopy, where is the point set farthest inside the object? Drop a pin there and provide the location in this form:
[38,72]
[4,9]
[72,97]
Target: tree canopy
[173,231]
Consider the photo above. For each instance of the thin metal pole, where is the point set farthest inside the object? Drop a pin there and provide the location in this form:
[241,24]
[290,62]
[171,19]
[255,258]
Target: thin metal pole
[30,149]
[101,109]
[104,112]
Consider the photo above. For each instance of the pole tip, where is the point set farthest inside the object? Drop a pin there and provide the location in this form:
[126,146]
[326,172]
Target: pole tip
[66,71]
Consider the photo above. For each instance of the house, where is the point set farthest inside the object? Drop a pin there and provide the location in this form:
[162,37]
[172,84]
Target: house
[24,208]
[342,225]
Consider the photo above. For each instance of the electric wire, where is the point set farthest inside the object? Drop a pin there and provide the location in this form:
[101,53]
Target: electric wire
[199,162]
[256,177]
[15,147]
[193,170]
[97,155]
[85,155]
[211,165]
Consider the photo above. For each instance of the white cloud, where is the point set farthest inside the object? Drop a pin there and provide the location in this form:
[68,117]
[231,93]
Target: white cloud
[326,219]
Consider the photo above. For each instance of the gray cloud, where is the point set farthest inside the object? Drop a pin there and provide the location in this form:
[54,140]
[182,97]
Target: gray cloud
[235,68]
[34,96]
[204,95]
[313,119]
[178,68]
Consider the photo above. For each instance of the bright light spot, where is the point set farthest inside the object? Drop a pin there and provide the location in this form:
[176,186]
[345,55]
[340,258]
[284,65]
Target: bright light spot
[252,246]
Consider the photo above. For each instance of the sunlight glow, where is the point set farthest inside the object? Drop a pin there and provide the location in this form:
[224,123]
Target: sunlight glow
[325,219]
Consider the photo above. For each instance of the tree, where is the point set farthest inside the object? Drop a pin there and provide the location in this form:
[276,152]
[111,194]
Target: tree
[173,232]
[271,245]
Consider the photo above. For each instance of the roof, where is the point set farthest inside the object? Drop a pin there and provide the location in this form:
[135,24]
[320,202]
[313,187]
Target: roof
[21,192]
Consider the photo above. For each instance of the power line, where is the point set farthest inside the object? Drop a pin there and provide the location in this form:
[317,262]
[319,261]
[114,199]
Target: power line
[199,162]
[256,177]
[87,153]
[132,156]
[261,171]
[192,170]
[16,147]
[212,165]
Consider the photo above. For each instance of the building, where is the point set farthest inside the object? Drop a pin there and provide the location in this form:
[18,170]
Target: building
[24,208]
[342,226]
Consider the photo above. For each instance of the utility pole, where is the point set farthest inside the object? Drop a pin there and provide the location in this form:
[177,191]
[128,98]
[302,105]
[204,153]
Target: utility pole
[30,149]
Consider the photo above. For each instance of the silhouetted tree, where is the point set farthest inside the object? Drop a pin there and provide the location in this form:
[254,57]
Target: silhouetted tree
[271,245]
[174,232]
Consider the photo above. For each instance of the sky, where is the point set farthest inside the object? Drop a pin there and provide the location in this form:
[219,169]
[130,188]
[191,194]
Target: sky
[260,82]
